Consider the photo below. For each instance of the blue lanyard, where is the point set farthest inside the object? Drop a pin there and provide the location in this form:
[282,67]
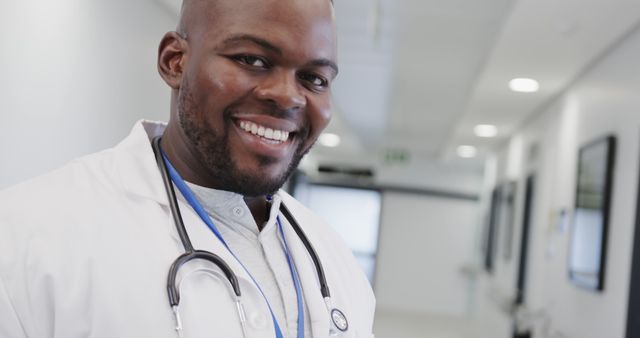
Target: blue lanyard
[197,207]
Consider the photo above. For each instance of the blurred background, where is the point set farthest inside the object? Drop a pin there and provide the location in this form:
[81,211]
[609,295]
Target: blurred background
[482,162]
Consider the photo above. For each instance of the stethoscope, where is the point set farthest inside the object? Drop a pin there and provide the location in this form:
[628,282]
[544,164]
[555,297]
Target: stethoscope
[338,322]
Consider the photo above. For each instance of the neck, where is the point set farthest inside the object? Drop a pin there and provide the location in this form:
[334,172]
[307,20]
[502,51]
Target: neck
[192,170]
[260,210]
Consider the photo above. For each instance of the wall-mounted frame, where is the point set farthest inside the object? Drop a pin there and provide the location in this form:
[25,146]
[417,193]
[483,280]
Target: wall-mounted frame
[507,217]
[499,224]
[588,245]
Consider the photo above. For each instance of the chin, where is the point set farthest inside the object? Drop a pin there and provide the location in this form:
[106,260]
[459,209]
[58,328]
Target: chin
[259,187]
[258,181]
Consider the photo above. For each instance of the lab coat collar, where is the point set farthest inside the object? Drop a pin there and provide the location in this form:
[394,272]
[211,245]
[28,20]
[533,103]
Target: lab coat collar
[136,164]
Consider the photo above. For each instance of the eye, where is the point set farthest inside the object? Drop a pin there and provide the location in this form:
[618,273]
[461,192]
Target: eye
[252,60]
[314,80]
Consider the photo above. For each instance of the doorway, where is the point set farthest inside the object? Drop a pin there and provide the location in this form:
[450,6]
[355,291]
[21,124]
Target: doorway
[521,280]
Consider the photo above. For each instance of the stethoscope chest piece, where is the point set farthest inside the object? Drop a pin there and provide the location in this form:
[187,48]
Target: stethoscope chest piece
[339,320]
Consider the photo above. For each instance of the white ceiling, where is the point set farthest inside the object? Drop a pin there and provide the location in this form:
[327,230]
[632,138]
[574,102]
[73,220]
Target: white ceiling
[403,83]
[417,75]
[441,67]
[553,41]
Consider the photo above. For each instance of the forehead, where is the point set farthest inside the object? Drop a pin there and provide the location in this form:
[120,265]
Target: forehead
[303,26]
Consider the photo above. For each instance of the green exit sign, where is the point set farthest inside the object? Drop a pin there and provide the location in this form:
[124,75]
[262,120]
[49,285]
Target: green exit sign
[396,156]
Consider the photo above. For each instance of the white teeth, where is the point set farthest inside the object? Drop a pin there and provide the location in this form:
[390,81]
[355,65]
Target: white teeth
[268,133]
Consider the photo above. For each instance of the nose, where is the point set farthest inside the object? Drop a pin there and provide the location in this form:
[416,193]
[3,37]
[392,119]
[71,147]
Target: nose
[281,89]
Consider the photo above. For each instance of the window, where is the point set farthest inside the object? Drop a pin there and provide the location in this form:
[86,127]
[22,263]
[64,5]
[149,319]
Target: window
[354,213]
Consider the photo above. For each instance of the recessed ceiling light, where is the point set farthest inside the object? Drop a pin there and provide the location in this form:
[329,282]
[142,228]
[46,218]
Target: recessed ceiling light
[466,151]
[485,130]
[329,140]
[524,85]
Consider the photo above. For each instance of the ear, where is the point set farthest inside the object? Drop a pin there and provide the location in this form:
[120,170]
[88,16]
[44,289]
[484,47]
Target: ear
[171,58]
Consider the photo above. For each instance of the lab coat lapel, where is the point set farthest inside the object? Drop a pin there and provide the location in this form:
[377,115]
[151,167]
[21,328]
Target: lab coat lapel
[135,163]
[308,278]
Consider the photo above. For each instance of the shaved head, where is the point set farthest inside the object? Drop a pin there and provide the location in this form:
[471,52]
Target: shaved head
[194,13]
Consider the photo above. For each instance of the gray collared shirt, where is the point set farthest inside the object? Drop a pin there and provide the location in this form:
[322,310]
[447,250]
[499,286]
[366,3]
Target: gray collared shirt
[261,252]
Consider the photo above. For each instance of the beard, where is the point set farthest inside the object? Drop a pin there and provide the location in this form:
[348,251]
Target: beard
[213,151]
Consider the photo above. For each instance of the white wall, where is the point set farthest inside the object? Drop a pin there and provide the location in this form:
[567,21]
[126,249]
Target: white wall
[604,101]
[76,75]
[425,242]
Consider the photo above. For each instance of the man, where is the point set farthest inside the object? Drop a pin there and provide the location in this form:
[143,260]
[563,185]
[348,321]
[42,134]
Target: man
[85,251]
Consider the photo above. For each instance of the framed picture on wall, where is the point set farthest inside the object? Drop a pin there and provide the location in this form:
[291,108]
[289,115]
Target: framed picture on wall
[588,245]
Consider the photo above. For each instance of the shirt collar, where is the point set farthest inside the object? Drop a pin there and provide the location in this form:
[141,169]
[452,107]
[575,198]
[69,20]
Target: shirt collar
[230,207]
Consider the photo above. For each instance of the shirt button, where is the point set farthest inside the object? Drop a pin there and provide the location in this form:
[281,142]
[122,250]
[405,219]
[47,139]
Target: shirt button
[258,320]
[237,211]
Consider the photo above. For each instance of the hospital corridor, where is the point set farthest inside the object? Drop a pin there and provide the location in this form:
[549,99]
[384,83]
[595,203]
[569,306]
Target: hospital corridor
[481,163]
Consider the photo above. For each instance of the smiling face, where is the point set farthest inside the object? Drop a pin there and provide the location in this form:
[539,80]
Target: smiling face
[251,82]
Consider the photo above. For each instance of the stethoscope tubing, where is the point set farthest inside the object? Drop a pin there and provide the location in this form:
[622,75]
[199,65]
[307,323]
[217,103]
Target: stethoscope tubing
[191,254]
[324,288]
[171,194]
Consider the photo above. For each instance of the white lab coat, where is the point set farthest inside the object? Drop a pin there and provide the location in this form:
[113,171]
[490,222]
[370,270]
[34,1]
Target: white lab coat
[85,251]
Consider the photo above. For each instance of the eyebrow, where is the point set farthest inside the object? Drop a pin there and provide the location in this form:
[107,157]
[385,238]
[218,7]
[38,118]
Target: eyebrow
[325,63]
[253,39]
[271,47]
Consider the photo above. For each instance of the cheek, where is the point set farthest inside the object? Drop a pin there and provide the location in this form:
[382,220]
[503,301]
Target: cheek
[217,90]
[320,119]
[217,77]
[212,85]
